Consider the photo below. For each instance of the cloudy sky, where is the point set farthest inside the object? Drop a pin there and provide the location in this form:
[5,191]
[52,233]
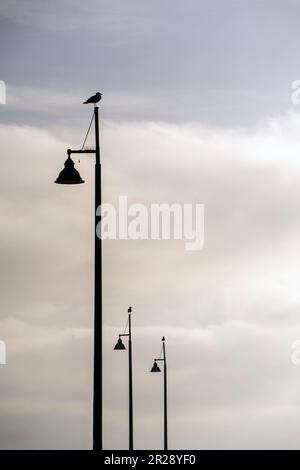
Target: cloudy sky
[196,108]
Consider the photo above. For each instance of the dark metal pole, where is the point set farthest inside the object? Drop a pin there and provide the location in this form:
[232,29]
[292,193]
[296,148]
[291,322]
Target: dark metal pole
[130,386]
[165,398]
[97,403]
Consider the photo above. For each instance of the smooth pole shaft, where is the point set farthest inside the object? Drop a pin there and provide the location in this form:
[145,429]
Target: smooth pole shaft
[97,402]
[130,387]
[165,401]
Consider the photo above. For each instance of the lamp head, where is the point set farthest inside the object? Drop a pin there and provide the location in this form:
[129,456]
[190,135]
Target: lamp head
[155,367]
[69,175]
[120,345]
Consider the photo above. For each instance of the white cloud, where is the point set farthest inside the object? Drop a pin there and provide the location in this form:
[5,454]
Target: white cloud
[230,312]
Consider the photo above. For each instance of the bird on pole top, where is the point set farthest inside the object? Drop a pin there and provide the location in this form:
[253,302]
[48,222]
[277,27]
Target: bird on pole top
[94,99]
[129,309]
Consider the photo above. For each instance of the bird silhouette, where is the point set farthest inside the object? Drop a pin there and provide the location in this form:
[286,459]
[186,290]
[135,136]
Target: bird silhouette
[94,99]
[130,310]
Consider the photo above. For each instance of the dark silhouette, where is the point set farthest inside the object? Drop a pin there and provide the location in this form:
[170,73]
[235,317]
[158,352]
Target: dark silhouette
[155,368]
[118,347]
[94,99]
[71,176]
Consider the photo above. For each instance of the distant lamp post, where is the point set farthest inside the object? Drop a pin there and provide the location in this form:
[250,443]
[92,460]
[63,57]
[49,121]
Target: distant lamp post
[69,175]
[155,368]
[121,347]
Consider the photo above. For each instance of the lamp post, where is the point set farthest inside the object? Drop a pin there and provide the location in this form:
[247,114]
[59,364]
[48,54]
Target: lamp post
[155,368]
[69,175]
[120,346]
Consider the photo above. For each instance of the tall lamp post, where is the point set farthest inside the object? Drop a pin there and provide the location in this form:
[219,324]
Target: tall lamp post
[155,368]
[120,346]
[69,175]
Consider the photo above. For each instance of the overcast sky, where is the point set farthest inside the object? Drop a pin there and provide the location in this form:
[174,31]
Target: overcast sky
[196,108]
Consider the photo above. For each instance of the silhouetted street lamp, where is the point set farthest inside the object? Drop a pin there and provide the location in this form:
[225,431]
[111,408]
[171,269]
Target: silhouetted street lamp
[118,347]
[71,176]
[155,368]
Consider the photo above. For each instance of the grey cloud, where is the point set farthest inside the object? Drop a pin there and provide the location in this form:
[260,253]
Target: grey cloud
[76,15]
[196,108]
[171,57]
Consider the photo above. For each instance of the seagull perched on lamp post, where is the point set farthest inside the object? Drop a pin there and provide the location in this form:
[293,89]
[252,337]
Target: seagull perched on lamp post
[94,99]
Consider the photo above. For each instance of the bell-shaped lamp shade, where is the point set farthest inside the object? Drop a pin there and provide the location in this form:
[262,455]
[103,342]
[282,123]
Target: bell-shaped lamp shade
[119,345]
[69,175]
[155,367]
